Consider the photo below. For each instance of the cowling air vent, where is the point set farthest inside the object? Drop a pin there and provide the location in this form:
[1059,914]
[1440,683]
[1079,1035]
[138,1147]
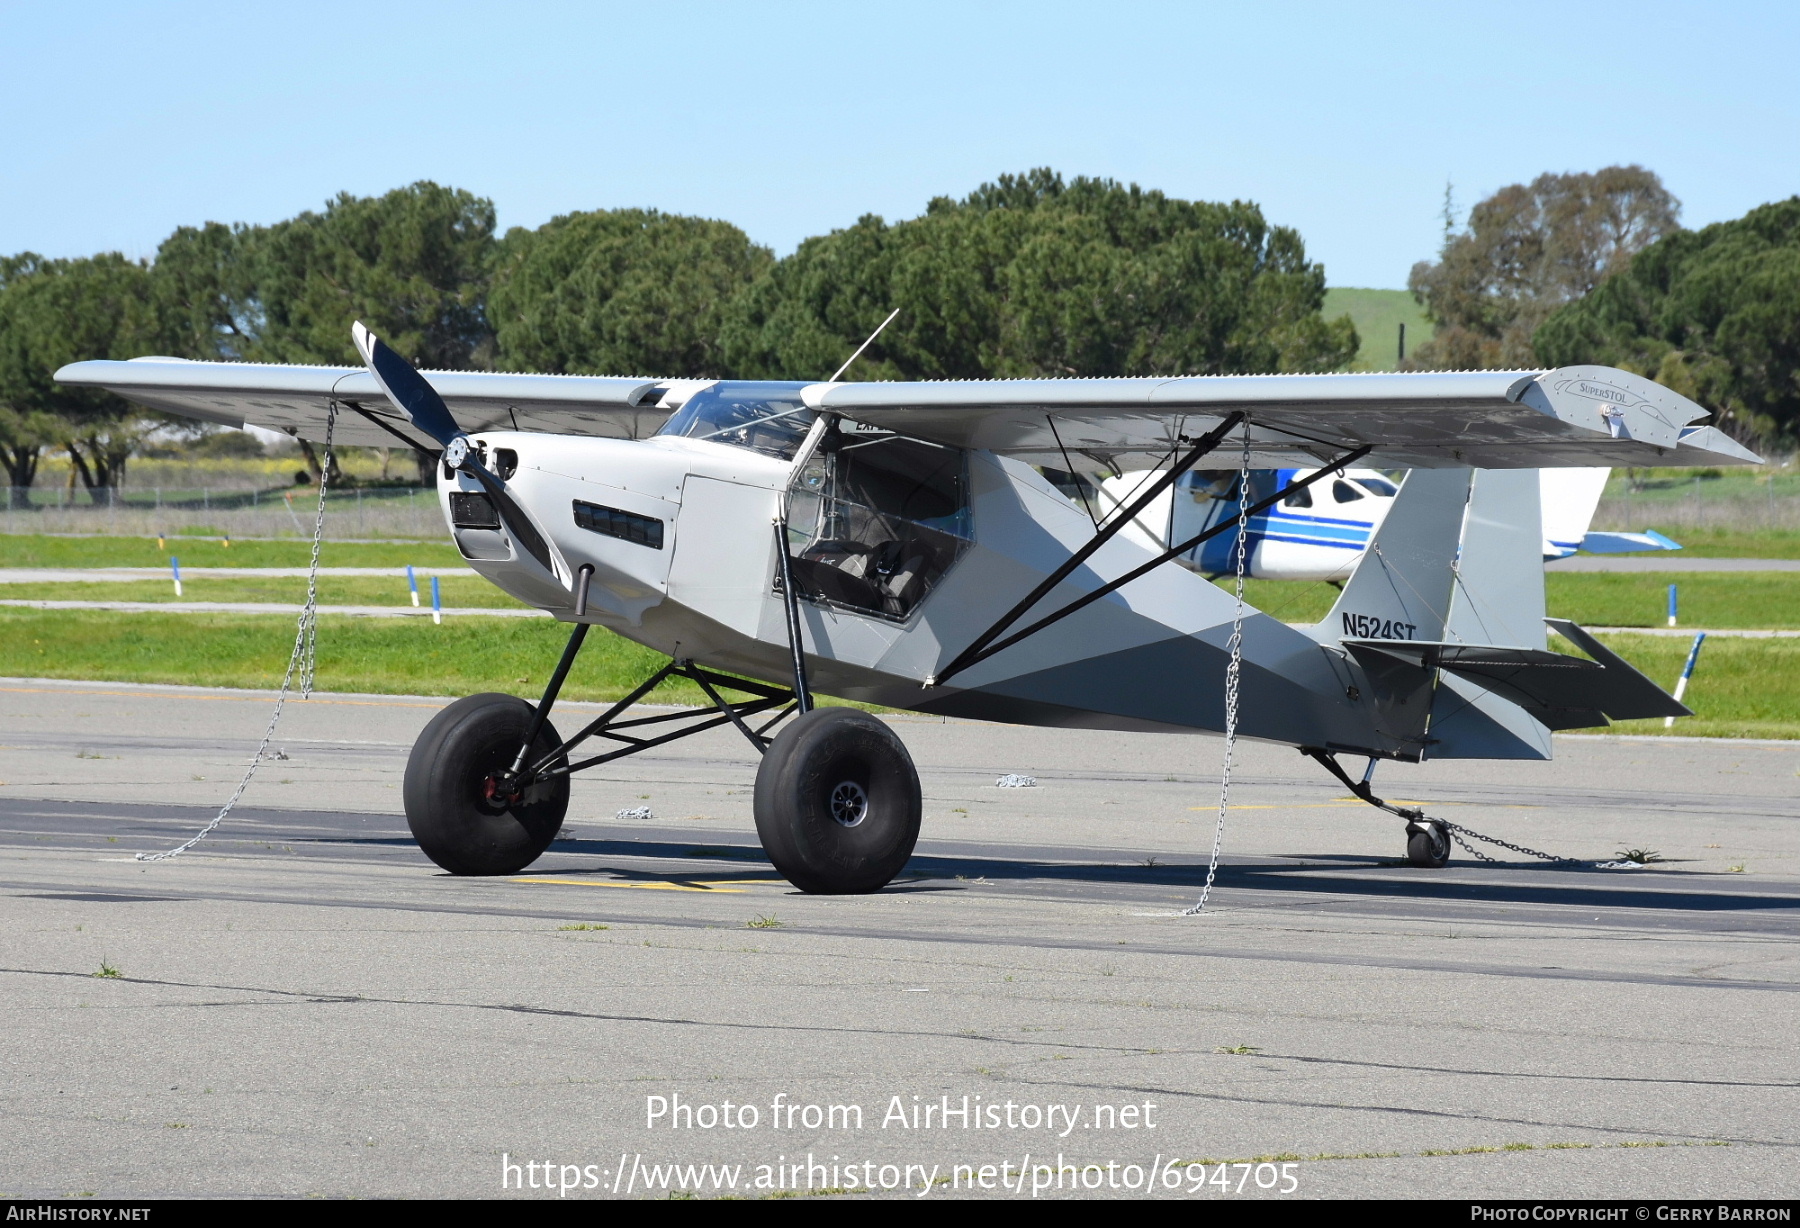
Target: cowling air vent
[473,511]
[627,526]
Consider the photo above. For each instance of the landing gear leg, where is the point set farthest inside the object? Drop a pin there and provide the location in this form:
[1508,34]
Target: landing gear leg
[1427,840]
[488,782]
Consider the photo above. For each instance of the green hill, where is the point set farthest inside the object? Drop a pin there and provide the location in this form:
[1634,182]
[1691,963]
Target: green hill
[1378,315]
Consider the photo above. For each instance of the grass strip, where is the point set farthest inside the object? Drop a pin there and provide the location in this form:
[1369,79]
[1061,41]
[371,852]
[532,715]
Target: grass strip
[375,655]
[1726,600]
[1698,543]
[333,590]
[44,550]
[1742,689]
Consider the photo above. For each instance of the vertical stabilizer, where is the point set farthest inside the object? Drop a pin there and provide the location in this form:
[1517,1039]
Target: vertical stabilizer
[1401,588]
[1459,559]
[1498,600]
[1499,593]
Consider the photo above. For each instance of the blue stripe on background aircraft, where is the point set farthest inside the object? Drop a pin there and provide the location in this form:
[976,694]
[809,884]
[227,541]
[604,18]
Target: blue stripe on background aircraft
[1320,532]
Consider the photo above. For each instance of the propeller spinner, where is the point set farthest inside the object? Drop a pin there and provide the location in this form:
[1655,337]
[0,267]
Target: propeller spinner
[413,396]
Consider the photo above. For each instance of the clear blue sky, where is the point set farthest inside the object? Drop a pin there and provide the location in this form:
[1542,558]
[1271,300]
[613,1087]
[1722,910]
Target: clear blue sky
[120,122]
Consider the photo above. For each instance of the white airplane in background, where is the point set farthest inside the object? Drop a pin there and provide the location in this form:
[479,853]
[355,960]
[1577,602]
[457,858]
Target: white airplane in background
[1320,532]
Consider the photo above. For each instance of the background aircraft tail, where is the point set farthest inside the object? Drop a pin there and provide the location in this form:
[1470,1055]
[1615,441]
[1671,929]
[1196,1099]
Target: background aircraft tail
[1570,497]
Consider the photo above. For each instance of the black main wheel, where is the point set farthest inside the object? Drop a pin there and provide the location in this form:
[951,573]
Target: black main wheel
[461,811]
[837,803]
[1428,845]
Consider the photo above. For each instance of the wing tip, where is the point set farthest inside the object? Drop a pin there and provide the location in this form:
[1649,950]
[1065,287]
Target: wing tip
[364,340]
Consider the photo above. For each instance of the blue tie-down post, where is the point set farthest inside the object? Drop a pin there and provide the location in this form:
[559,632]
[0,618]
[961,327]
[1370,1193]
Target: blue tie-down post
[437,603]
[175,570]
[412,583]
[1671,605]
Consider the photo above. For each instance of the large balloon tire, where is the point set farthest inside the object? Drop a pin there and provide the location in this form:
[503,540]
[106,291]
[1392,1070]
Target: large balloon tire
[461,819]
[837,803]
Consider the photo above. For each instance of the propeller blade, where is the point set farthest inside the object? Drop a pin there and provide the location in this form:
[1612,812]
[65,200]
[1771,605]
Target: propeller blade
[419,401]
[405,387]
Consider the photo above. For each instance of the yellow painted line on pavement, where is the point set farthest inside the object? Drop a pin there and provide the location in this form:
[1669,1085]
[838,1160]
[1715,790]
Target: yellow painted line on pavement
[578,882]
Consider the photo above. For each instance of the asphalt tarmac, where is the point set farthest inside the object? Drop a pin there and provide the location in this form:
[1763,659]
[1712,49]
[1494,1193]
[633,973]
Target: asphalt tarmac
[305,1006]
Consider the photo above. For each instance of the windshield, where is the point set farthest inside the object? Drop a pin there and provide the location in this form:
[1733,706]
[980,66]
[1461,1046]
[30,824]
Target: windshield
[764,417]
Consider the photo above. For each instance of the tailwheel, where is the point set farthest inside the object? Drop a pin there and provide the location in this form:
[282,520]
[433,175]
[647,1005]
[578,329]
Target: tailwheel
[1428,844]
[465,810]
[837,803]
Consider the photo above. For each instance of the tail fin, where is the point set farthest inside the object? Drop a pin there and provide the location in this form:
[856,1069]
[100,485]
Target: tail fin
[1458,560]
[1570,497]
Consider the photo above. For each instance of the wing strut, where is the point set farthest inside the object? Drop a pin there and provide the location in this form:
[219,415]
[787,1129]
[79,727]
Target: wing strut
[985,646]
[978,649]
[381,422]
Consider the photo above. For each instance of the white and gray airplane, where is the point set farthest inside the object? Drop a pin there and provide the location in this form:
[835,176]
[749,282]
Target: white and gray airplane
[896,543]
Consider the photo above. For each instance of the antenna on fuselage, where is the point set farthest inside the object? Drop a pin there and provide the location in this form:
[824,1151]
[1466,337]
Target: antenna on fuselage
[865,345]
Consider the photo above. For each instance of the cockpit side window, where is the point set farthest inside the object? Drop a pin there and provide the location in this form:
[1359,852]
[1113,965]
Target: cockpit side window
[1344,492]
[877,519]
[764,417]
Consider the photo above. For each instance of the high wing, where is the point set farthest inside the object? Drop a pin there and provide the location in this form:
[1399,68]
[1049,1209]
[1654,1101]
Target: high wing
[294,399]
[1572,416]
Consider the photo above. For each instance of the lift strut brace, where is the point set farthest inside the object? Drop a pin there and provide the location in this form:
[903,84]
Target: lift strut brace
[982,649]
[978,648]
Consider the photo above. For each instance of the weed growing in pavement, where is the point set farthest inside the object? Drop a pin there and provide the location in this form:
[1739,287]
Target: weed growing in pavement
[770,922]
[583,926]
[1239,1050]
[107,971]
[1642,856]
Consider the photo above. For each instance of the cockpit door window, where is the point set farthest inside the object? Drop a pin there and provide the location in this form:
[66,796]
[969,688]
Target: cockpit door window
[877,519]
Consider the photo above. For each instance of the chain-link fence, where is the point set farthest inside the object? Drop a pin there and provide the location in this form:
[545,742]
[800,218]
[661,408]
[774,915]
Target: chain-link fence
[212,511]
[1717,499]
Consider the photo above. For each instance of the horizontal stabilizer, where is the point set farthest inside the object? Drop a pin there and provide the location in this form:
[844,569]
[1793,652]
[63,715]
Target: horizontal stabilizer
[1626,543]
[1560,691]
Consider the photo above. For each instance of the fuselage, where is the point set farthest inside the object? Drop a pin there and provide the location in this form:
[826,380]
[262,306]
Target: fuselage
[903,553]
